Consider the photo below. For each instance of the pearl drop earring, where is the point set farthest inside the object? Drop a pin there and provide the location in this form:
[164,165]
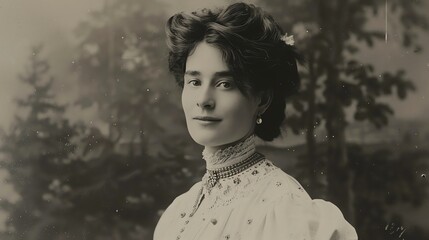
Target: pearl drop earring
[259,119]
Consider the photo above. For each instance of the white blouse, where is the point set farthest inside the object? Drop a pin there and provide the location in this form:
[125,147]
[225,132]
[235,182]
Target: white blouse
[260,203]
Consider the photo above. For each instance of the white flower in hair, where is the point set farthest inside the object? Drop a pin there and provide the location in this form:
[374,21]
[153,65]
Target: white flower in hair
[288,39]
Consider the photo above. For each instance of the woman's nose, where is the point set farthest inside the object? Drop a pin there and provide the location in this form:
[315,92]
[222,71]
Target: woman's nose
[206,99]
[206,104]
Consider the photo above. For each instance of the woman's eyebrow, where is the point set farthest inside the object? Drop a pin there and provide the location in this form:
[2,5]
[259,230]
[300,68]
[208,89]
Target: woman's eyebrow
[223,74]
[193,73]
[216,75]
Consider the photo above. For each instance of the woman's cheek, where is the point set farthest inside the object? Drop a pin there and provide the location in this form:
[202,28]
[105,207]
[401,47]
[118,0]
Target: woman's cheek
[186,98]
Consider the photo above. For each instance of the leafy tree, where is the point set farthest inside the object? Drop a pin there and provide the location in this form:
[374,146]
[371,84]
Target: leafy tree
[329,33]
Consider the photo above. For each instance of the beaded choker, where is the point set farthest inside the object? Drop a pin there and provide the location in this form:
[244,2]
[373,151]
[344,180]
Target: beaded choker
[228,171]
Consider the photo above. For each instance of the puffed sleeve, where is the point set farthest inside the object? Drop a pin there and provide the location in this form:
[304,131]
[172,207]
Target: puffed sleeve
[285,211]
[331,223]
[325,220]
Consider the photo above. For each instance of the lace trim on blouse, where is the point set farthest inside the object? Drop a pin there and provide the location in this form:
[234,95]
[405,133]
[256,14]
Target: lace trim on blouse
[230,155]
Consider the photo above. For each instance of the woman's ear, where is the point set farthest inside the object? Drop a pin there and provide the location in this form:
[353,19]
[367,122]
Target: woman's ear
[265,100]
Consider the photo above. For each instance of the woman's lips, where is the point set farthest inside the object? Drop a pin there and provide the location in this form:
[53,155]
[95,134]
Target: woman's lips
[207,120]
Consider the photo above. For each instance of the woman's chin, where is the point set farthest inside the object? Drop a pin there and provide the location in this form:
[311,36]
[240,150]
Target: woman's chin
[204,141]
[207,139]
[215,140]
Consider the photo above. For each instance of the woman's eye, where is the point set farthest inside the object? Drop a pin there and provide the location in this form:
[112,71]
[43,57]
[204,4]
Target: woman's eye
[193,81]
[226,84]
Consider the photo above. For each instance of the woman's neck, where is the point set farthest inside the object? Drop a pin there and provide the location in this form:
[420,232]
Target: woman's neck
[219,158]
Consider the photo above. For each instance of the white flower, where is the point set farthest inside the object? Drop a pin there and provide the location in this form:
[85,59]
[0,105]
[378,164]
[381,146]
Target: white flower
[288,39]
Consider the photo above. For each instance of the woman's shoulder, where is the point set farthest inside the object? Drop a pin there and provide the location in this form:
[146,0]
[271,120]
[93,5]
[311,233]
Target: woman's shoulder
[192,191]
[292,204]
[280,184]
[183,199]
[176,208]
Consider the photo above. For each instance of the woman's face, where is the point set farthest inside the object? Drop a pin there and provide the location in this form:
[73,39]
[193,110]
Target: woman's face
[209,91]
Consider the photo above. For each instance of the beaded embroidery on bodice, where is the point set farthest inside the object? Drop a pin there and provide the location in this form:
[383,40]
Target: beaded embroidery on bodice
[238,186]
[231,191]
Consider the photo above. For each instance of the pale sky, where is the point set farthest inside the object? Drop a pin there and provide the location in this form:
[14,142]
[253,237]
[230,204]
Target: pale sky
[24,23]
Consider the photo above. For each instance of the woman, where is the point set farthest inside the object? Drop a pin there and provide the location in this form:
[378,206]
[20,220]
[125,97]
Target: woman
[236,69]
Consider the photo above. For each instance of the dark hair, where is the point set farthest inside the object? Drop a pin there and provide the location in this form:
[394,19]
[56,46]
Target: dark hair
[251,45]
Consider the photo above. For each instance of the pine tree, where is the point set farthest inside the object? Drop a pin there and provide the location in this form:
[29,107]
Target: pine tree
[36,148]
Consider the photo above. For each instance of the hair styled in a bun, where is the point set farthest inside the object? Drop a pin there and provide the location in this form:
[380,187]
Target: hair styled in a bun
[250,41]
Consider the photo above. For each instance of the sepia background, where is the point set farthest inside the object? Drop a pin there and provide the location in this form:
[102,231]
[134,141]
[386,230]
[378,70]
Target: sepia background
[94,145]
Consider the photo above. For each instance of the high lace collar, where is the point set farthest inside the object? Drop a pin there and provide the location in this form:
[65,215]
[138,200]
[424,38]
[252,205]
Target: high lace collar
[230,155]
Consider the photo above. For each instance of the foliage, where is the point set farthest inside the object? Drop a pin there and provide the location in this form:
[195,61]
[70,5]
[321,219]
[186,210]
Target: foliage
[37,151]
[146,158]
[384,178]
[330,33]
[79,181]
